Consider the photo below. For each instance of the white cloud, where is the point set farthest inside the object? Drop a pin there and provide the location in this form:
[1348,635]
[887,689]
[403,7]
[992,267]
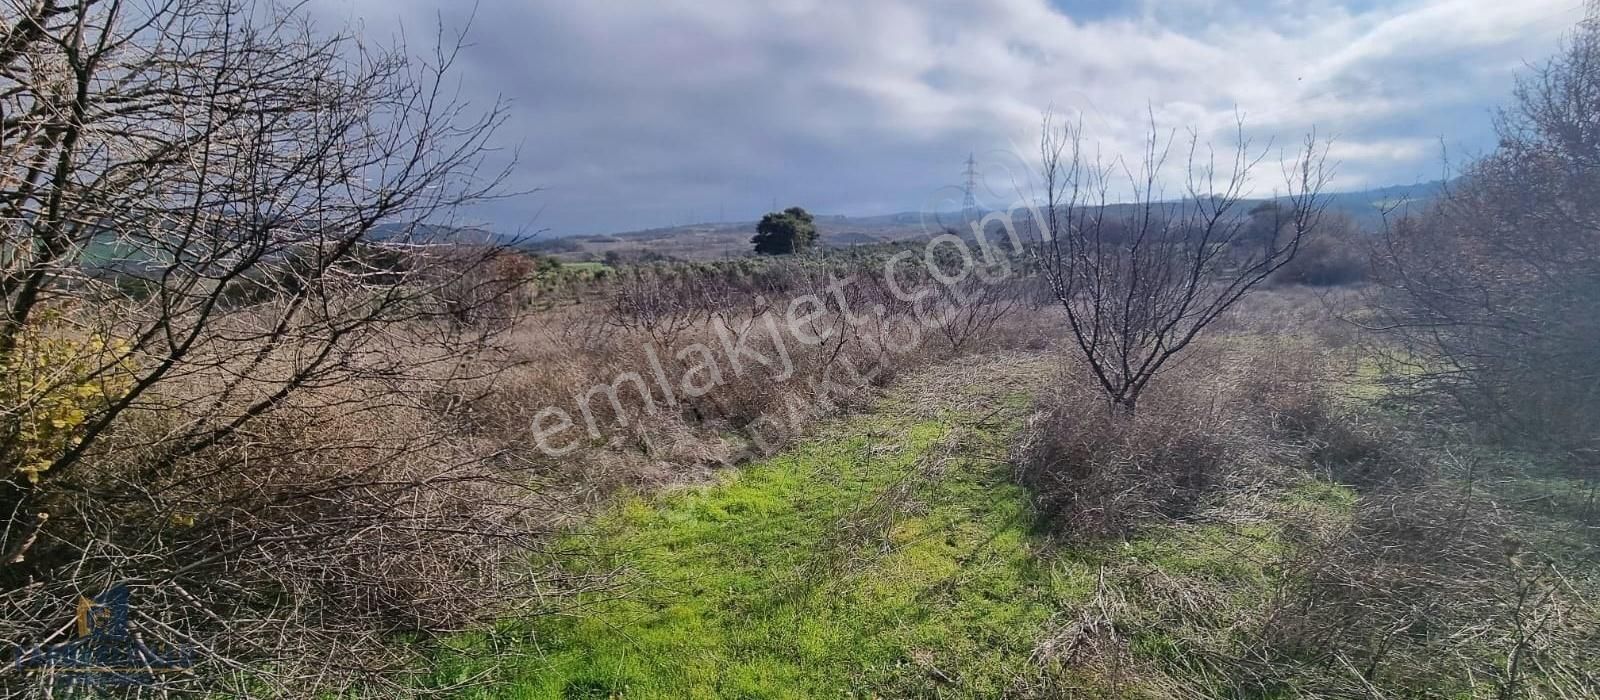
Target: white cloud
[645,113]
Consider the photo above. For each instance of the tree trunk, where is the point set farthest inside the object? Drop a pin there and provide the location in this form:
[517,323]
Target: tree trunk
[1125,406]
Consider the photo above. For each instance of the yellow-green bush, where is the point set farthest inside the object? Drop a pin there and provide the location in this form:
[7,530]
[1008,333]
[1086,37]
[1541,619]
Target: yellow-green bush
[52,383]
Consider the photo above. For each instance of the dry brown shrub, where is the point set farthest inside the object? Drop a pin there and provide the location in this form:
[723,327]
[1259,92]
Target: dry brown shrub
[1223,417]
[1099,472]
[342,517]
[1430,589]
[556,357]
[1328,319]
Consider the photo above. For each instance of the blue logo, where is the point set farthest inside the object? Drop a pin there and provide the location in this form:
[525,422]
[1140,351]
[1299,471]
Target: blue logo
[105,651]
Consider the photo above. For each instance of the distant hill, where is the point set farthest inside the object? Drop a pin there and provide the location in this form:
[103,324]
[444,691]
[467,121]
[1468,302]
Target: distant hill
[438,233]
[1367,207]
[710,241]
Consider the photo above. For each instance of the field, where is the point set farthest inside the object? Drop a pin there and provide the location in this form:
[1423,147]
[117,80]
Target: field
[723,479]
[718,241]
[892,553]
[890,549]
[280,419]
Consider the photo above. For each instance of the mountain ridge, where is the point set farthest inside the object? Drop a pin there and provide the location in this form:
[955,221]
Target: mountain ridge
[712,240]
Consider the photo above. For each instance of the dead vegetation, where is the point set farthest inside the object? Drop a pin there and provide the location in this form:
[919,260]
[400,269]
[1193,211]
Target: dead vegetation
[1225,415]
[1305,511]
[1258,531]
[261,403]
[245,426]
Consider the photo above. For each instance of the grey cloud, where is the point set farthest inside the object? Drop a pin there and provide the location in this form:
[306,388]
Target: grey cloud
[645,113]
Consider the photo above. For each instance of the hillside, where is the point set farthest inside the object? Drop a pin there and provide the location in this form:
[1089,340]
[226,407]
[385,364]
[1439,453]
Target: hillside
[712,241]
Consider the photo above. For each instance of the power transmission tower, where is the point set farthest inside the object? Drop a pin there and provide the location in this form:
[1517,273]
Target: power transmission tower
[970,203]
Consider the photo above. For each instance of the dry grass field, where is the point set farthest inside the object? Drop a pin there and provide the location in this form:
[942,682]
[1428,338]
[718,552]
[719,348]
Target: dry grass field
[274,423]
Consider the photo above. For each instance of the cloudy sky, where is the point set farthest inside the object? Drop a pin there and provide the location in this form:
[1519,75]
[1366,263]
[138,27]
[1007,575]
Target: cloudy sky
[647,113]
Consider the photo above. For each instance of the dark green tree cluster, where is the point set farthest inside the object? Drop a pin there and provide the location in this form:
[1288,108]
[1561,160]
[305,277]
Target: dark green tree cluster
[785,232]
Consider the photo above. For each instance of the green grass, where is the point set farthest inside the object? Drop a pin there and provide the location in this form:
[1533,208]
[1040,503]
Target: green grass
[894,556]
[1335,499]
[890,556]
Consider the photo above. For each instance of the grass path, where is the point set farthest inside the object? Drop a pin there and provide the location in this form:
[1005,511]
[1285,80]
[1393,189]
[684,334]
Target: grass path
[890,555]
[893,556]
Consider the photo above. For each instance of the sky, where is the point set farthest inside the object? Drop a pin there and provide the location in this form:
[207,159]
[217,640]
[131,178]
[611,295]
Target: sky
[648,113]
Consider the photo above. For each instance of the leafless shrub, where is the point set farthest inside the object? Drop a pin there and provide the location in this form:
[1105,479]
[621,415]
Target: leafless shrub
[485,289]
[961,289]
[1102,473]
[1094,471]
[230,311]
[1363,451]
[1233,412]
[1338,256]
[1140,280]
[1429,587]
[1488,298]
[659,304]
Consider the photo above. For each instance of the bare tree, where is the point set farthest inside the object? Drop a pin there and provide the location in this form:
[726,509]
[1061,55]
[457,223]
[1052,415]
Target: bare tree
[225,273]
[659,302]
[1142,278]
[1490,294]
